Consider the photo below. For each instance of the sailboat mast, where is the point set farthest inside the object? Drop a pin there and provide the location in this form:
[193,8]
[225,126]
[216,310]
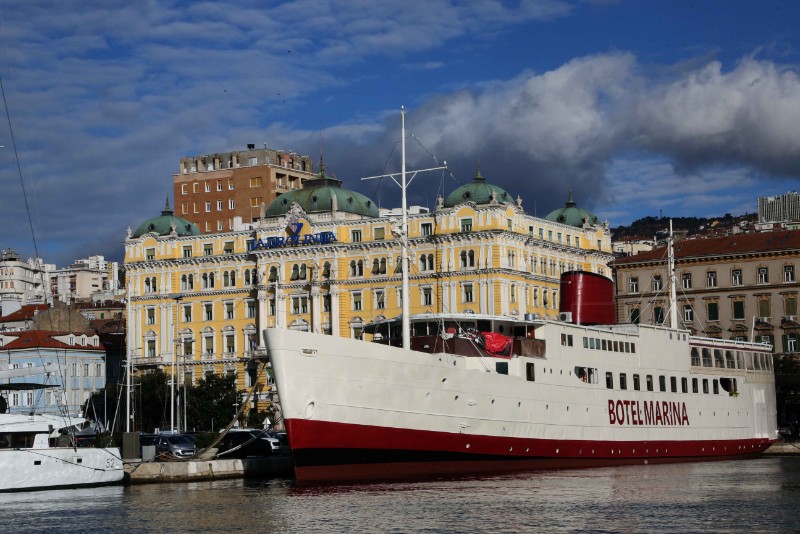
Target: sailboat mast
[406,321]
[673,299]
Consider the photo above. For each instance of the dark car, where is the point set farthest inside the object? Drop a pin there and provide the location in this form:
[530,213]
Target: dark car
[247,443]
[178,445]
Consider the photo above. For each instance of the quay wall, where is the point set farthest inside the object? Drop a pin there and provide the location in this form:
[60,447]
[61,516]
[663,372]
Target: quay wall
[185,471]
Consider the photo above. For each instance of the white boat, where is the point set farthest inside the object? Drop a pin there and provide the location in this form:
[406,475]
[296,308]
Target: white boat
[426,398]
[32,459]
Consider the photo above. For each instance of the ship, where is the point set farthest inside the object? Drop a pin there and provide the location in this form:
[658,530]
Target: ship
[443,394]
[486,394]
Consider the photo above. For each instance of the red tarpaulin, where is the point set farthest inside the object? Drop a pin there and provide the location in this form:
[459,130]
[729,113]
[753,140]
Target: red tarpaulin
[497,344]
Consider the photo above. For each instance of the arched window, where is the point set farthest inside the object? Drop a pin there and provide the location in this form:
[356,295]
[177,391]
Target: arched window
[204,279]
[191,281]
[295,272]
[233,278]
[376,267]
[211,280]
[326,270]
[463,259]
[352,268]
[226,279]
[303,271]
[383,266]
[471,258]
[184,282]
[247,277]
[147,285]
[423,263]
[360,268]
[273,274]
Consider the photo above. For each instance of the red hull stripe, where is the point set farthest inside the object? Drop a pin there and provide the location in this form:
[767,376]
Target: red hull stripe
[338,451]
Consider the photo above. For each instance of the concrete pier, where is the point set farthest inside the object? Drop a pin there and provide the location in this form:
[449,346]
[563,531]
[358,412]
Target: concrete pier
[783,449]
[193,470]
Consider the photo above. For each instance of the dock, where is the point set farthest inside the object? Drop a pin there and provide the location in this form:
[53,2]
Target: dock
[194,470]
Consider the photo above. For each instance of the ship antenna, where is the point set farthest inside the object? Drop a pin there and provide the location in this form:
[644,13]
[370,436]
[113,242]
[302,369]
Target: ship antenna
[673,299]
[402,232]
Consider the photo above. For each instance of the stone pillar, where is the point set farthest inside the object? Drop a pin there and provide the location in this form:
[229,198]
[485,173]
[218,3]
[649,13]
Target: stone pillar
[316,310]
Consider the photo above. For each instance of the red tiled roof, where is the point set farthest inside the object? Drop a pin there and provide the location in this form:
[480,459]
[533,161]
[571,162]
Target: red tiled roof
[26,312]
[45,340]
[722,246]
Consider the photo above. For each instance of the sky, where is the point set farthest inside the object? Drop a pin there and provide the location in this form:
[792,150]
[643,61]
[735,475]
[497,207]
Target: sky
[639,107]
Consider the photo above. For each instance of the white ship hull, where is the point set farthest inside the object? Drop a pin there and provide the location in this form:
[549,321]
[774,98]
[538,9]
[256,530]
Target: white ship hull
[359,410]
[59,467]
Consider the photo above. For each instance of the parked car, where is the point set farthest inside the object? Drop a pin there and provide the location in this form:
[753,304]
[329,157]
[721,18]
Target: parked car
[247,443]
[178,445]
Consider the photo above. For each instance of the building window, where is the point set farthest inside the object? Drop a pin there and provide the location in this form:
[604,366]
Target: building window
[219,205]
[738,309]
[688,313]
[658,283]
[427,296]
[151,316]
[187,313]
[208,345]
[208,249]
[467,293]
[633,284]
[150,254]
[635,315]
[355,236]
[790,342]
[250,309]
[711,279]
[380,299]
[788,273]
[763,275]
[427,229]
[466,225]
[467,259]
[230,344]
[184,189]
[208,312]
[219,185]
[229,310]
[687,280]
[356,268]
[790,305]
[356,301]
[255,202]
[299,304]
[379,234]
[736,277]
[513,290]
[208,206]
[713,311]
[187,252]
[764,307]
[231,204]
[326,303]
[151,352]
[208,187]
[255,181]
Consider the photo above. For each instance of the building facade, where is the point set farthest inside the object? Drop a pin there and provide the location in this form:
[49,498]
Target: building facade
[25,282]
[73,366]
[740,287]
[783,208]
[211,190]
[324,259]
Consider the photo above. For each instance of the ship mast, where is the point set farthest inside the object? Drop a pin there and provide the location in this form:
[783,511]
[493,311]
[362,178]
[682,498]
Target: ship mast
[402,233]
[673,299]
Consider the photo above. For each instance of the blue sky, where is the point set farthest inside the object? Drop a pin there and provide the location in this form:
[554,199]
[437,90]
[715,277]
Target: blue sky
[680,108]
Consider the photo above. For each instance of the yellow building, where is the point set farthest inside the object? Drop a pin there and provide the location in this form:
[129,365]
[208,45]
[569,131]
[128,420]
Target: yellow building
[326,259]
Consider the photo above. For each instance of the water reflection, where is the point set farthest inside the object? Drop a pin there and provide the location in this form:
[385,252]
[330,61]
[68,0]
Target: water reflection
[759,495]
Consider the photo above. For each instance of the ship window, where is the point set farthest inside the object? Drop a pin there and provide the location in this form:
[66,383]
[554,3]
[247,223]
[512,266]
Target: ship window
[616,346]
[633,348]
[501,368]
[718,361]
[649,381]
[707,358]
[591,342]
[716,386]
[636,384]
[662,383]
[695,356]
[685,385]
[673,384]
[623,381]
[705,385]
[585,342]
[609,381]
[530,373]
[581,373]
[605,346]
[694,385]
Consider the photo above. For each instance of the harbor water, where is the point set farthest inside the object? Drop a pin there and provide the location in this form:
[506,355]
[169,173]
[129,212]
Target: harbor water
[761,495]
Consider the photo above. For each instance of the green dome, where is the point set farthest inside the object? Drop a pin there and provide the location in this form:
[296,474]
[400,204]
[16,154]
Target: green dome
[477,191]
[571,214]
[323,194]
[162,225]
